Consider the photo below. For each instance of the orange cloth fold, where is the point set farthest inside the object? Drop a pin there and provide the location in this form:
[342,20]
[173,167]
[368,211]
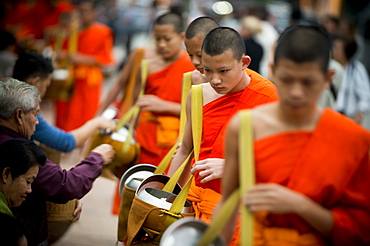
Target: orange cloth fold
[218,112]
[329,165]
[166,84]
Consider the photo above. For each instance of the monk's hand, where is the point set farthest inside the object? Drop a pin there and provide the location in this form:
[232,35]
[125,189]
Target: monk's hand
[274,198]
[77,212]
[152,103]
[211,168]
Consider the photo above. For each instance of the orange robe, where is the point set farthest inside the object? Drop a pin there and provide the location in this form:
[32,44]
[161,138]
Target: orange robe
[330,166]
[95,41]
[216,114]
[155,132]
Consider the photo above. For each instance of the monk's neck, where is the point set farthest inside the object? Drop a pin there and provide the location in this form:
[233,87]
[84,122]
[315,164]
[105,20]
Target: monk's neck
[85,26]
[170,60]
[243,83]
[304,121]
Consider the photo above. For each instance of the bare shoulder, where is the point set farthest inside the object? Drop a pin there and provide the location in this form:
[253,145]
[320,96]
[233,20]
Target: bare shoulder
[265,122]
[198,78]
[209,94]
[150,52]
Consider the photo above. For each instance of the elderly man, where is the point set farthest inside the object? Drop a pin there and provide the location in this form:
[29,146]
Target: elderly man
[19,106]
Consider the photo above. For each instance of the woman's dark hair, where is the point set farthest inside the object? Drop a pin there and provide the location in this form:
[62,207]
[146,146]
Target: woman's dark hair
[19,155]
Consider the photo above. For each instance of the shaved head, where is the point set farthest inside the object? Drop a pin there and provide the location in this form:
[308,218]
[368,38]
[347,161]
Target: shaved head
[202,25]
[221,39]
[171,19]
[302,44]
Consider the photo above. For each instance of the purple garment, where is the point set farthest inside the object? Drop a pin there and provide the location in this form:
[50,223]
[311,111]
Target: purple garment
[58,185]
[55,185]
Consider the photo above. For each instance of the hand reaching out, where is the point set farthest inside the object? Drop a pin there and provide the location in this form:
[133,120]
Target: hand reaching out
[107,152]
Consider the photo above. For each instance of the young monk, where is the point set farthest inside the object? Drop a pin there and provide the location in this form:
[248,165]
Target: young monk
[312,164]
[158,123]
[194,36]
[94,47]
[229,90]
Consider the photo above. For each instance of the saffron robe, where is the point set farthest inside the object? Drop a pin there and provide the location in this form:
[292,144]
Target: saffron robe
[215,116]
[157,132]
[330,166]
[95,41]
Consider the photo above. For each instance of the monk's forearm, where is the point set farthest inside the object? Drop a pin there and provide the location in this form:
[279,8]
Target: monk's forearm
[316,215]
[173,108]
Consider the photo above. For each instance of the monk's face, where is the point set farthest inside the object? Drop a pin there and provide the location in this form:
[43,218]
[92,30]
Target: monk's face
[87,13]
[299,85]
[168,42]
[194,49]
[225,73]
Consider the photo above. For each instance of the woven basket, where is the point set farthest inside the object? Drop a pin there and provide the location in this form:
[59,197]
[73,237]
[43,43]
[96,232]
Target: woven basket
[57,212]
[60,212]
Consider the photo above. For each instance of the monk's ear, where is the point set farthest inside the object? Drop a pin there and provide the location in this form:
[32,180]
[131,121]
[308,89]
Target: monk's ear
[246,60]
[271,70]
[329,77]
[182,35]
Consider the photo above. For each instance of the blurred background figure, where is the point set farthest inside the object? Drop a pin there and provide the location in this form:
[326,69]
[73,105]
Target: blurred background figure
[8,54]
[250,27]
[354,94]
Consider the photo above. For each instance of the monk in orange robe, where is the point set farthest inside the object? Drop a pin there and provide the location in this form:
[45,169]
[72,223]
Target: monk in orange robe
[312,164]
[95,44]
[158,123]
[229,90]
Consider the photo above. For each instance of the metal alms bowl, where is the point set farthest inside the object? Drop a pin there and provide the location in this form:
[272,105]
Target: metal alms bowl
[157,181]
[135,175]
[162,199]
[187,232]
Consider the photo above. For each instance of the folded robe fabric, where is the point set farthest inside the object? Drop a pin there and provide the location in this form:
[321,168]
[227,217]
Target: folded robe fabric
[166,84]
[216,114]
[330,166]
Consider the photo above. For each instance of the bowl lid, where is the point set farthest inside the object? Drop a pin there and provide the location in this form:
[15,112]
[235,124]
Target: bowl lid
[140,171]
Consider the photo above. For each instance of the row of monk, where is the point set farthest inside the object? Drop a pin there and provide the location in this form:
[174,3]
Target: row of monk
[312,164]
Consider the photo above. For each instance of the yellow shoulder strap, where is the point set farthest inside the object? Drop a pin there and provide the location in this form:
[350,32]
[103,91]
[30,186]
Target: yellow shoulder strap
[247,173]
[135,109]
[186,85]
[128,91]
[197,119]
[247,179]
